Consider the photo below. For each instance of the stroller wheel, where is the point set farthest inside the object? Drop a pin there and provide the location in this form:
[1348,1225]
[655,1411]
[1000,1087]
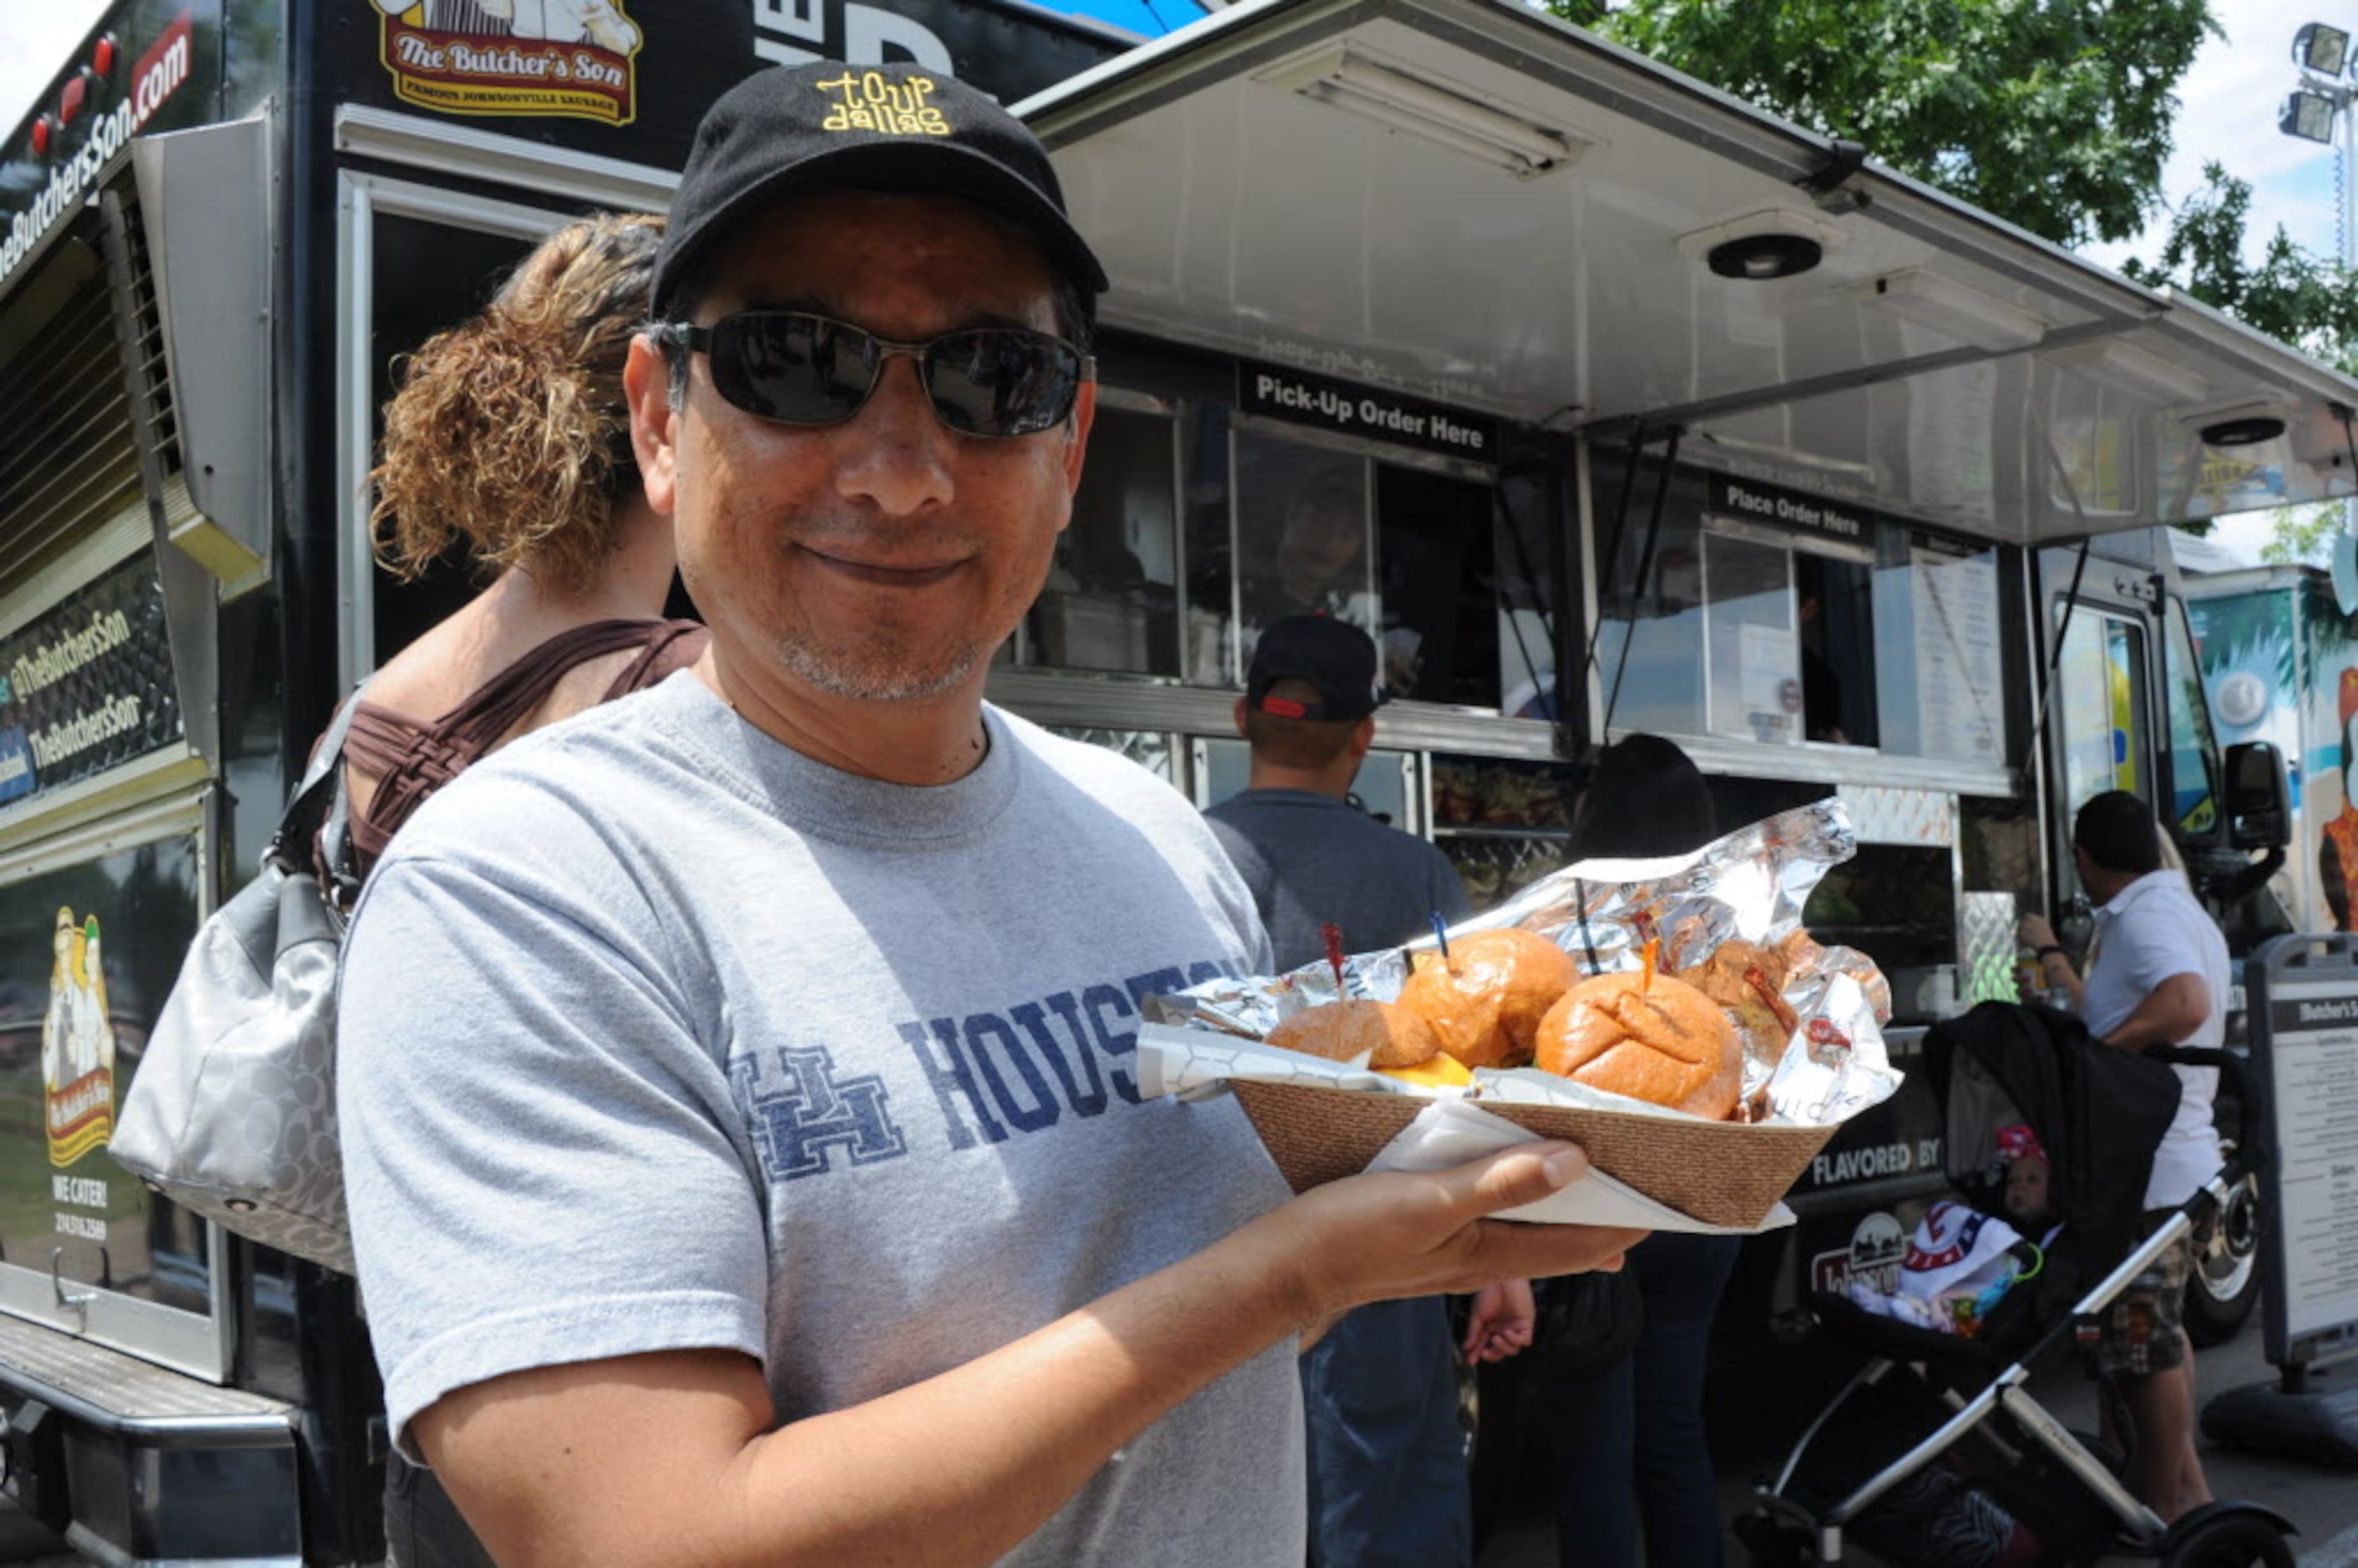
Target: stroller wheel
[2230,1543]
[1770,1544]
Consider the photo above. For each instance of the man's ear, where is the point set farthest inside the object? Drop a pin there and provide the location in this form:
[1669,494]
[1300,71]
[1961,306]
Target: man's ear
[1085,414]
[1240,717]
[646,389]
[1363,739]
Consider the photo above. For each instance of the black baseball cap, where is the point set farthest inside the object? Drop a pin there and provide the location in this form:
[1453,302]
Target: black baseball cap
[1332,655]
[786,130]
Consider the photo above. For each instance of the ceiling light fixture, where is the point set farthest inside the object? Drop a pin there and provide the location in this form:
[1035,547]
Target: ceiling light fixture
[2244,423]
[1760,257]
[1762,246]
[1955,310]
[2246,432]
[1392,98]
[2141,373]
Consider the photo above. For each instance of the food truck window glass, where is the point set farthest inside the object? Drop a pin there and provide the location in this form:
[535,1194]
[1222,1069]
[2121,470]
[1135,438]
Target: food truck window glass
[87,954]
[429,276]
[1112,598]
[1939,648]
[1382,787]
[1750,635]
[2099,694]
[1208,651]
[1833,608]
[1440,588]
[2193,791]
[1652,626]
[1503,823]
[1303,541]
[1526,609]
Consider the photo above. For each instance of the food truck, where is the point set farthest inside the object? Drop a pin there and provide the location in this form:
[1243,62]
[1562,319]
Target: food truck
[1607,402]
[2280,663]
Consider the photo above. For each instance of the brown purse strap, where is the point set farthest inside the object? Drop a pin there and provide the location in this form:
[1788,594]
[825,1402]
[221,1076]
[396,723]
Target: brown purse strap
[410,759]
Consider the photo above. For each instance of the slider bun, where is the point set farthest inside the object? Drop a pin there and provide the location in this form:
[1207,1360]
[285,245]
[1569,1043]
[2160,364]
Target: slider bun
[1665,1042]
[1343,1031]
[1722,975]
[1484,1006]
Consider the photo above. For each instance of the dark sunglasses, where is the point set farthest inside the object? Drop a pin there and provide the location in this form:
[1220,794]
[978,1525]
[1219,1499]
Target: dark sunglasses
[793,368]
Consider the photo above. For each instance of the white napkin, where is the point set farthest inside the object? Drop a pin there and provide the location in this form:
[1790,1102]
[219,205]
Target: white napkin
[1449,1133]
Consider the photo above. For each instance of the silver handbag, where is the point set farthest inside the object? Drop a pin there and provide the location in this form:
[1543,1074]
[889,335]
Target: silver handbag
[231,1113]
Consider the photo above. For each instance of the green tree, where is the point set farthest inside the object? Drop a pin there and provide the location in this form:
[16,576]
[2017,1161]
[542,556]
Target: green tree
[2031,109]
[2291,294]
[2304,534]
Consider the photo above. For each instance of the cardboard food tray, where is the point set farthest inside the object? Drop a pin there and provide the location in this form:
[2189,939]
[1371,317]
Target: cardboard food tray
[1722,1173]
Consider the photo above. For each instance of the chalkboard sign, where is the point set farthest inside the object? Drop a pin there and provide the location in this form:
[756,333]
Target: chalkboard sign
[2304,1044]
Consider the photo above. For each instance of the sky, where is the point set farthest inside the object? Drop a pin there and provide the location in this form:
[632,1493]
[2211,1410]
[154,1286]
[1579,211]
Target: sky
[2228,104]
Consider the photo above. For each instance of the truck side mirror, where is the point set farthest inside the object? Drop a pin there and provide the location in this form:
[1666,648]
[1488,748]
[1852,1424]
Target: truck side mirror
[2259,808]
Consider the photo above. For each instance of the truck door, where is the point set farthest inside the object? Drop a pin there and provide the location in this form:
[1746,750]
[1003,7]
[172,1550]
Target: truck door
[2102,704]
[2103,709]
[2130,712]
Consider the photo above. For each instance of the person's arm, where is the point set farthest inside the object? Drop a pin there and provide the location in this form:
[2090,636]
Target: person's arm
[2055,966]
[2170,1011]
[669,1457]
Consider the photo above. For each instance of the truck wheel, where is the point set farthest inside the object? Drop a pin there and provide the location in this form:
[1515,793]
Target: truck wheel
[2224,1284]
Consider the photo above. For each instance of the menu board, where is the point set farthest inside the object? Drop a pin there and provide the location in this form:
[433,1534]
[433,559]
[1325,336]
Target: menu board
[1959,674]
[2312,1058]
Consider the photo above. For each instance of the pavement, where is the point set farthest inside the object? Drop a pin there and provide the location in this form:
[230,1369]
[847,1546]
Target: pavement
[1756,1413]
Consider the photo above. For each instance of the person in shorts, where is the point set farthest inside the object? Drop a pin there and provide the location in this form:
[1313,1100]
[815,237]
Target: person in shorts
[2159,976]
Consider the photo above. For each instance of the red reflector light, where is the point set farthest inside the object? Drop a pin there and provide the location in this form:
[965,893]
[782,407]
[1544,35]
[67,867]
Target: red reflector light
[42,137]
[102,54]
[71,100]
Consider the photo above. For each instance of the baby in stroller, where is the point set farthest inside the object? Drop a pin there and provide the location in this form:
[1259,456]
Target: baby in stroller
[1961,1262]
[2027,1176]
[1935,1455]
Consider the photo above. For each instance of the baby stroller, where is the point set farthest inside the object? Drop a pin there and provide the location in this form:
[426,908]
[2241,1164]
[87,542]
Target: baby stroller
[1934,1455]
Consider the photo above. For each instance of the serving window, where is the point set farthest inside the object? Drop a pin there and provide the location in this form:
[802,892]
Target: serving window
[1196,527]
[1767,616]
[1112,598]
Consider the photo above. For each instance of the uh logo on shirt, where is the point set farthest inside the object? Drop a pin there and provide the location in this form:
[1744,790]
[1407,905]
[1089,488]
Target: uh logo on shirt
[994,1075]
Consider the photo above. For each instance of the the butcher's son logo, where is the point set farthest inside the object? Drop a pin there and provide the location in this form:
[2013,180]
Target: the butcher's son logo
[77,1045]
[513,56]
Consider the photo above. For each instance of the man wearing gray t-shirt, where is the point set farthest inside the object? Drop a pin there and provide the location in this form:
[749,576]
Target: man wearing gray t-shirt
[745,1158]
[1388,1478]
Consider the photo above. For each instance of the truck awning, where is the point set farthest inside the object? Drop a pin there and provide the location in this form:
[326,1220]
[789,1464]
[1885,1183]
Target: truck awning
[1473,203]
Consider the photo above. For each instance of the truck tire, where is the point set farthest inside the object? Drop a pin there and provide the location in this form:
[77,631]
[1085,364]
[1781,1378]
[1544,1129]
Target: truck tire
[2224,1283]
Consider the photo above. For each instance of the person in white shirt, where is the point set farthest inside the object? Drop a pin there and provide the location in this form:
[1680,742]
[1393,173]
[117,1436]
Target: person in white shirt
[2158,975]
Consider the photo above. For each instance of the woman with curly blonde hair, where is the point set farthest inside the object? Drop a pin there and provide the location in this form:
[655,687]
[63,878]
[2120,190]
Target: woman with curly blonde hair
[509,438]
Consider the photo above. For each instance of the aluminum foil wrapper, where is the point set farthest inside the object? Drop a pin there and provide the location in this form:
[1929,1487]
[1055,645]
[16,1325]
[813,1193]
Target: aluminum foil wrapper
[1748,886]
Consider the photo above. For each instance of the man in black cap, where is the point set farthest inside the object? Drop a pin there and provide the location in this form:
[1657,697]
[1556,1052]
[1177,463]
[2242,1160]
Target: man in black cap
[746,1158]
[1388,1478]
